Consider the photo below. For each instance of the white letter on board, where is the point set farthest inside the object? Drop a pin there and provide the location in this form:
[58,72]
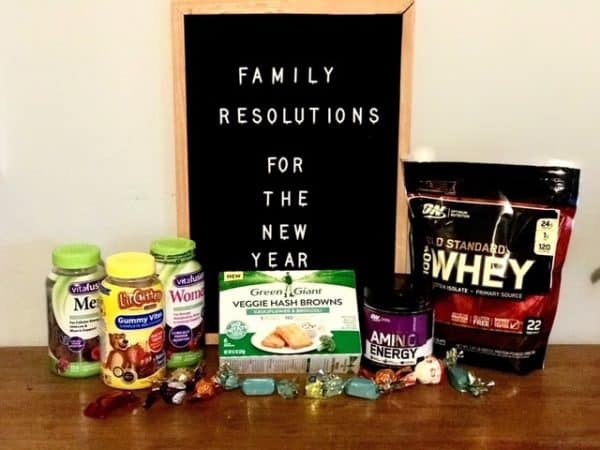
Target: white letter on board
[241,116]
[223,116]
[267,231]
[242,72]
[302,257]
[277,75]
[328,73]
[297,164]
[257,76]
[302,198]
[268,197]
[272,260]
[284,231]
[286,197]
[300,231]
[310,78]
[256,256]
[373,115]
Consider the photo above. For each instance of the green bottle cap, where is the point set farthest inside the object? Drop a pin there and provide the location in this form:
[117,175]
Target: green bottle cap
[76,256]
[172,249]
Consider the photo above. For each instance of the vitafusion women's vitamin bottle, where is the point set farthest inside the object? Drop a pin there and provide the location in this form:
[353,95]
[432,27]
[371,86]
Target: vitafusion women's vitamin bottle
[73,314]
[183,281]
[132,331]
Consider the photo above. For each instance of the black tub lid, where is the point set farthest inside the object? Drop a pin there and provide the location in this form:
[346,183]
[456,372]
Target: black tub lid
[407,294]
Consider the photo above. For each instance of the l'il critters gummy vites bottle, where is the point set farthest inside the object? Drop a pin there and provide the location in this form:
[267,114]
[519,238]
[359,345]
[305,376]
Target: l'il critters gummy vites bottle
[183,282]
[72,295]
[132,329]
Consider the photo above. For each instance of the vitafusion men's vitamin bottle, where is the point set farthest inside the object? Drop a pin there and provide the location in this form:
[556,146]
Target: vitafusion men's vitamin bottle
[183,281]
[73,314]
[132,331]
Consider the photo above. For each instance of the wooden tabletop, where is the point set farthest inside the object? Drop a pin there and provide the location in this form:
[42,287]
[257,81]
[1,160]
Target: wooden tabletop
[558,407]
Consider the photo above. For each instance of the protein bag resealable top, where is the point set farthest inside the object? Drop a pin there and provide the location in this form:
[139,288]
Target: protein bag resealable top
[492,239]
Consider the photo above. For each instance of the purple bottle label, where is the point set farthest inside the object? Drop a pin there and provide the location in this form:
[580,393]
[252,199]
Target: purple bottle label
[180,336]
[397,339]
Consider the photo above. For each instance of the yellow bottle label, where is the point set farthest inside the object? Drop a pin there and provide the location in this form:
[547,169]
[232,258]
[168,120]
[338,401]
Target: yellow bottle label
[132,335]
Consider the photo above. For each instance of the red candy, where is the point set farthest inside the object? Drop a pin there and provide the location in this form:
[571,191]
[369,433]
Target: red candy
[108,403]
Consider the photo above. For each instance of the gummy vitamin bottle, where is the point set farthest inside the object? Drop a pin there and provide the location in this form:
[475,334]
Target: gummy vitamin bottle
[183,281]
[132,329]
[73,314]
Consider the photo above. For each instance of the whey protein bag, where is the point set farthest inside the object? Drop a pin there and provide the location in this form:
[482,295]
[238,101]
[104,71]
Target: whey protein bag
[492,240]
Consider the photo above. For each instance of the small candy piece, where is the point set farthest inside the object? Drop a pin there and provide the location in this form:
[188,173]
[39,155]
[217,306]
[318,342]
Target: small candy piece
[227,378]
[321,385]
[458,377]
[107,403]
[182,374]
[173,392]
[176,385]
[362,387]
[258,386]
[462,379]
[177,399]
[332,385]
[429,371]
[407,380]
[204,390]
[288,389]
[385,379]
[314,389]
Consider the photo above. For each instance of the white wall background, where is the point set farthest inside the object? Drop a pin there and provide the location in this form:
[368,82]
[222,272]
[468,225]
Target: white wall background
[86,126]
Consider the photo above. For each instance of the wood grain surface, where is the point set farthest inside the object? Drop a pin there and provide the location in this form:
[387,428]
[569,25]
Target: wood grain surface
[558,407]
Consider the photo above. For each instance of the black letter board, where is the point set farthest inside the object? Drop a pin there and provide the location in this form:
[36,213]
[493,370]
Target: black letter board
[292,137]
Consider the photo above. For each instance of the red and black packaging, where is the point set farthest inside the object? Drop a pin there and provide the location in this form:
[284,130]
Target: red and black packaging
[492,239]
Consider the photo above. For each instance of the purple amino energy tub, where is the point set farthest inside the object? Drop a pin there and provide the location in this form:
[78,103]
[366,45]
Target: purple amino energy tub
[398,326]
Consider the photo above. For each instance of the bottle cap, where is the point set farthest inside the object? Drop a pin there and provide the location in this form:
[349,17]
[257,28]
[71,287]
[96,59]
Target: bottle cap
[129,265]
[172,249]
[76,256]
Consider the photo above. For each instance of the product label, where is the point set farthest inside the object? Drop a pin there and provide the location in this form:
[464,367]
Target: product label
[487,249]
[132,335]
[184,306]
[289,321]
[73,317]
[397,340]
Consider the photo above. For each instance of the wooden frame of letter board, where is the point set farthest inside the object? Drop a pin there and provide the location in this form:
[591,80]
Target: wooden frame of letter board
[181,8]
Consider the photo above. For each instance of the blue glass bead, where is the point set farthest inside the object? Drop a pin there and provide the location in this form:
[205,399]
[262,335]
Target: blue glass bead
[362,387]
[258,386]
